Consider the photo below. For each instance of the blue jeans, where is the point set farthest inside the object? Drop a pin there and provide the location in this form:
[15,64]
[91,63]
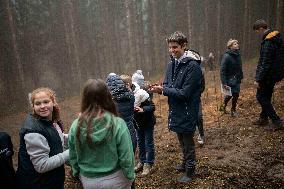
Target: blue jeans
[146,145]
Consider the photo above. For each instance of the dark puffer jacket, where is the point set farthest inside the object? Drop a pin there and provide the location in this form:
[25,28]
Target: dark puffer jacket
[125,103]
[182,88]
[269,69]
[231,71]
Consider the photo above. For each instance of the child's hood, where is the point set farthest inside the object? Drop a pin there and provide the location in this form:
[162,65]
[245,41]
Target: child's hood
[137,87]
[101,128]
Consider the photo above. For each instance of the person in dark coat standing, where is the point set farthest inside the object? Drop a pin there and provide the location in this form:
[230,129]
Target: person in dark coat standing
[268,72]
[7,172]
[124,99]
[231,74]
[182,86]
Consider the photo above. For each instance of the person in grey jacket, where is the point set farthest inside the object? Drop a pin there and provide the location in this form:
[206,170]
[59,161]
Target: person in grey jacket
[231,74]
[182,86]
[41,157]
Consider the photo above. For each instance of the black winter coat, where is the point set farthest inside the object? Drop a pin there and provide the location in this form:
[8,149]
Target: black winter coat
[182,86]
[124,102]
[146,118]
[268,69]
[231,71]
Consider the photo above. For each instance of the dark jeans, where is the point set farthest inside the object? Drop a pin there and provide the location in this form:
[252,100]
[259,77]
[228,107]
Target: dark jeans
[200,121]
[264,95]
[146,145]
[133,185]
[188,149]
[235,97]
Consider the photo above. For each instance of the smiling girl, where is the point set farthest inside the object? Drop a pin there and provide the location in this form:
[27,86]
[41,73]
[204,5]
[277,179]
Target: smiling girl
[41,158]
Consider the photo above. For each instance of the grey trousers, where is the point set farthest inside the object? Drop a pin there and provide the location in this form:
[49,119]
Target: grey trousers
[116,180]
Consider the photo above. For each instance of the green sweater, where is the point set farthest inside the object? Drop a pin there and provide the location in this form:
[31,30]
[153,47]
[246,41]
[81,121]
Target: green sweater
[109,151]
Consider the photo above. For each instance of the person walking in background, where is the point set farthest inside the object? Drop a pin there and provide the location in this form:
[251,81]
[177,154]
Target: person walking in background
[138,78]
[41,158]
[231,74]
[182,86]
[199,59]
[210,61]
[269,71]
[101,151]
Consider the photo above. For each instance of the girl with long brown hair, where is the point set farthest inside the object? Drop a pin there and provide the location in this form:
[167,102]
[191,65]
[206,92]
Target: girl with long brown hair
[101,153]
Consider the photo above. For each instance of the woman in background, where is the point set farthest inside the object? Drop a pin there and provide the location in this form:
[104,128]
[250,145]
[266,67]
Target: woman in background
[231,74]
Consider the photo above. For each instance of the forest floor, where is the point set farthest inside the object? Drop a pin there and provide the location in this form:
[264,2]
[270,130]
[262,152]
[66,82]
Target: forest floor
[236,153]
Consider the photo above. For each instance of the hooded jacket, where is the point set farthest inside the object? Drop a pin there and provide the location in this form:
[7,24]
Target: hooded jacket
[268,69]
[138,78]
[124,102]
[182,86]
[140,95]
[110,149]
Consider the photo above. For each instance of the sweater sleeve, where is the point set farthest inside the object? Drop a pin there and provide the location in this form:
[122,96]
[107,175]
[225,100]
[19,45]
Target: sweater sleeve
[72,147]
[125,151]
[38,150]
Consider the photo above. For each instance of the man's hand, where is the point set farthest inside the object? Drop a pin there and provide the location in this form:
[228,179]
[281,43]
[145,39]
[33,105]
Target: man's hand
[156,89]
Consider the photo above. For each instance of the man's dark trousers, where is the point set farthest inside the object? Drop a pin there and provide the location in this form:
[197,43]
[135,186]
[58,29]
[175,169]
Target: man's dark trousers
[264,95]
[187,144]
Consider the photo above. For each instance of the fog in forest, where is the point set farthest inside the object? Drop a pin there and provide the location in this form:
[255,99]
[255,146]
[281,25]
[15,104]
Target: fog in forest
[62,43]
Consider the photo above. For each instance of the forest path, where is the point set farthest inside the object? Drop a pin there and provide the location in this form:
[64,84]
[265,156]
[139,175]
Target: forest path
[236,154]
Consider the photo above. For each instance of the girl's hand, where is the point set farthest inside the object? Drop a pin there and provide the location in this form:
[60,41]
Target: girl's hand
[138,109]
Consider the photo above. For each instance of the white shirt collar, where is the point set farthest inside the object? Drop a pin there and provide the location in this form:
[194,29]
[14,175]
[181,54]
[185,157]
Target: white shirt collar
[182,57]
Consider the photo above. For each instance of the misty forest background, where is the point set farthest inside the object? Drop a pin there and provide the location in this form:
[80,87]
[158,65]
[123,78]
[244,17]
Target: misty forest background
[62,43]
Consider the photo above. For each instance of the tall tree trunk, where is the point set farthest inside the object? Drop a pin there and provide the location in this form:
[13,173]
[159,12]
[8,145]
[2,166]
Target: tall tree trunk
[131,47]
[74,42]
[189,22]
[218,33]
[245,26]
[249,42]
[279,15]
[154,23]
[139,33]
[19,65]
[268,11]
